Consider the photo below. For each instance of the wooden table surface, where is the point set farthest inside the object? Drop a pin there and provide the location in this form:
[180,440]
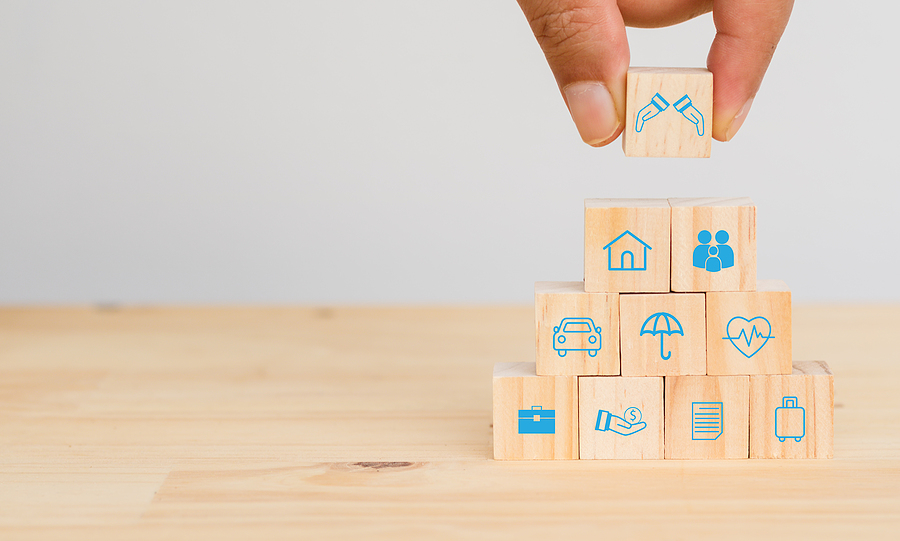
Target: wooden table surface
[375,423]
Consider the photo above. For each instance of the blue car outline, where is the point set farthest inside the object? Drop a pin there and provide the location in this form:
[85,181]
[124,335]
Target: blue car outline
[560,333]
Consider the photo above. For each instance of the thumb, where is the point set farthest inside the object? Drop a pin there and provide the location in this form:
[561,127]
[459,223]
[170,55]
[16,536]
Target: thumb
[585,44]
[746,36]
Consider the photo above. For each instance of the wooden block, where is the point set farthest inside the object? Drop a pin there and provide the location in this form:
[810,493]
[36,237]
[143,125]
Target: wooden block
[713,244]
[662,334]
[626,245]
[620,417]
[576,333]
[535,417]
[792,416]
[707,417]
[749,332]
[668,112]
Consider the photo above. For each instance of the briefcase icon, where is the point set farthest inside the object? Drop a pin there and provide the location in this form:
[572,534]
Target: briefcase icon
[537,420]
[790,420]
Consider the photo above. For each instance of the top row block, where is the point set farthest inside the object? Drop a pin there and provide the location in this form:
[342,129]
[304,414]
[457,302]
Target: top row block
[663,245]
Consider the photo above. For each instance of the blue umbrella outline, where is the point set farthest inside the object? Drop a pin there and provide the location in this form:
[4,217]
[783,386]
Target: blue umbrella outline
[653,327]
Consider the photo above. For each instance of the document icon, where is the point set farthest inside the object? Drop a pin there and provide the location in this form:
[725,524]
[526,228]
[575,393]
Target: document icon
[706,421]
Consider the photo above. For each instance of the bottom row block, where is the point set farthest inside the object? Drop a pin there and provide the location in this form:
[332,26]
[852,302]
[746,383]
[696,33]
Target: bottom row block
[680,417]
[708,417]
[620,417]
[535,417]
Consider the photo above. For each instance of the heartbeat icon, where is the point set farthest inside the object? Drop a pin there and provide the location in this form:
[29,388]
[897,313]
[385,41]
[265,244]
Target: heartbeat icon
[748,335]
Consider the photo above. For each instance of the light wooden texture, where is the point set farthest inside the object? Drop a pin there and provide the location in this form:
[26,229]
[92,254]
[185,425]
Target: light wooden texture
[730,314]
[812,384]
[620,434]
[695,404]
[560,307]
[605,221]
[670,132]
[518,388]
[375,423]
[642,354]
[735,216]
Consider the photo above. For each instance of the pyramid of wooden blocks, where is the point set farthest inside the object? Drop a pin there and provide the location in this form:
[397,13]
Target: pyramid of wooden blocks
[669,348]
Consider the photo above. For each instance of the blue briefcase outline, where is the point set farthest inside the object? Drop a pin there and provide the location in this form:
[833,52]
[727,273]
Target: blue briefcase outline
[537,420]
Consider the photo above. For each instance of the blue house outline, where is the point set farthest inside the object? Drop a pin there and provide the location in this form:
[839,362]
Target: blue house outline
[622,266]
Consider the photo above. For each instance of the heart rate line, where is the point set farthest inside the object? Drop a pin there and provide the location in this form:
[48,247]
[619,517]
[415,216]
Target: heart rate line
[749,339]
[748,336]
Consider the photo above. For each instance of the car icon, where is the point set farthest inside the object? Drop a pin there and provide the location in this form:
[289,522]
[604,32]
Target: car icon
[576,334]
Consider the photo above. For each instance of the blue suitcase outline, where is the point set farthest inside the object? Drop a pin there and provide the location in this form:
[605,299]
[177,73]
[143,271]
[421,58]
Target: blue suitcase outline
[790,403]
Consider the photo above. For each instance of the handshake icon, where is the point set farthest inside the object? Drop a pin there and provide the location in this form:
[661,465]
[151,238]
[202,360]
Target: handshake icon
[659,104]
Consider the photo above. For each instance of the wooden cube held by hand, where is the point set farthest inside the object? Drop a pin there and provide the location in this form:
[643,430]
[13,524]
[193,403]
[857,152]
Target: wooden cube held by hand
[668,112]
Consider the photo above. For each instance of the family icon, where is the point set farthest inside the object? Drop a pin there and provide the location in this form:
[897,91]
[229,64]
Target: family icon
[713,258]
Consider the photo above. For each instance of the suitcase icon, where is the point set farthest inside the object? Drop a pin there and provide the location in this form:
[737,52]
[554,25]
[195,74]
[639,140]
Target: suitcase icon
[790,420]
[537,420]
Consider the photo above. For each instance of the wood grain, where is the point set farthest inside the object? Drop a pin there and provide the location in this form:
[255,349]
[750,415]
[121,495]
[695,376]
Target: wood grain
[615,396]
[280,424]
[735,216]
[771,301]
[520,393]
[605,220]
[812,385]
[557,302]
[669,133]
[643,346]
[685,394]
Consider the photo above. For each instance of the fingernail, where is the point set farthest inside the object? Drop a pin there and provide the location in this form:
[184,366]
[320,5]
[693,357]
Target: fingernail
[738,120]
[593,110]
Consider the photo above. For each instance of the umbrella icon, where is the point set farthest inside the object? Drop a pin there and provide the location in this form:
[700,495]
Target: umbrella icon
[662,323]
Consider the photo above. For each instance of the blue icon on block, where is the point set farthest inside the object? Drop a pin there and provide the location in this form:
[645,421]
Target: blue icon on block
[627,252]
[537,420]
[713,258]
[577,334]
[688,111]
[748,335]
[662,324]
[706,420]
[629,423]
[657,105]
[790,420]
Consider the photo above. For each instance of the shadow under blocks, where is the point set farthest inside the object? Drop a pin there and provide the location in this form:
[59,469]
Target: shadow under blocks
[669,349]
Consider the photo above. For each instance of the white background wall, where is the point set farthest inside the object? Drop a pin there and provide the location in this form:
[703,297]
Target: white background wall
[400,151]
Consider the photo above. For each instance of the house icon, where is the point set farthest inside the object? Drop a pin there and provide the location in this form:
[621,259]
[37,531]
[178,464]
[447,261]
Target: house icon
[627,253]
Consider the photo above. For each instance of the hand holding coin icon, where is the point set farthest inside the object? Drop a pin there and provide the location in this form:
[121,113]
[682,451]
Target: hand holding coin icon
[626,425]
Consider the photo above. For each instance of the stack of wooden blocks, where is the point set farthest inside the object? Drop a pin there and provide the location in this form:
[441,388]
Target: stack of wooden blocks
[669,348]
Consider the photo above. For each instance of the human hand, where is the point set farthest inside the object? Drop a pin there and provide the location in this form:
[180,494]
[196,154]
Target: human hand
[614,423]
[585,44]
[687,109]
[657,105]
